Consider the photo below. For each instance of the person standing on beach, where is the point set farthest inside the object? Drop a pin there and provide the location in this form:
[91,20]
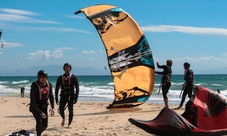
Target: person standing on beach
[22,92]
[166,79]
[69,92]
[41,91]
[218,91]
[187,87]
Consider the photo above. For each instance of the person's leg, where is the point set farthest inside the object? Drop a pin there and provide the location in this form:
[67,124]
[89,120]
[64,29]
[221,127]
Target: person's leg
[62,105]
[45,121]
[190,88]
[183,97]
[38,122]
[165,89]
[70,108]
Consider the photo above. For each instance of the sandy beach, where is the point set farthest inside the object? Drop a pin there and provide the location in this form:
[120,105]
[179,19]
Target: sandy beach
[90,119]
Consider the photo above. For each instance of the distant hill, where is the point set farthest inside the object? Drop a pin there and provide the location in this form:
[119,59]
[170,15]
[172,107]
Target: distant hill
[53,70]
[222,70]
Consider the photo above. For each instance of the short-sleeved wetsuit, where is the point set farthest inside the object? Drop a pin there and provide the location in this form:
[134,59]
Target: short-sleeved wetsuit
[166,79]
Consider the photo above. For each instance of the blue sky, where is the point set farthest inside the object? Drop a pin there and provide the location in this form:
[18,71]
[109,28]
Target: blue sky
[46,32]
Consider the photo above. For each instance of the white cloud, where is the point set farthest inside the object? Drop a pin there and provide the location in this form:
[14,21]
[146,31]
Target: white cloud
[12,45]
[100,51]
[21,16]
[208,58]
[89,52]
[1,53]
[40,54]
[75,16]
[15,15]
[185,29]
[200,59]
[36,55]
[17,11]
[58,29]
[25,19]
[225,54]
[46,54]
[55,29]
[57,54]
[65,48]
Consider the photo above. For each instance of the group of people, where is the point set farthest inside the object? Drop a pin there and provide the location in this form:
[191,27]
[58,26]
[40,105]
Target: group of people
[41,91]
[187,87]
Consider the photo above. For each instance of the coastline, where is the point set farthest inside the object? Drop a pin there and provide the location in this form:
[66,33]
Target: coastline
[90,118]
[97,98]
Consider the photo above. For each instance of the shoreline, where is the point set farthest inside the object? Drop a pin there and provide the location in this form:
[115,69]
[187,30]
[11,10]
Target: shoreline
[96,99]
[90,118]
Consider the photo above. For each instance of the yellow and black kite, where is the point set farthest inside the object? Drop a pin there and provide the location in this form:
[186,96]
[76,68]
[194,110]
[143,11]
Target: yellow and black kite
[129,54]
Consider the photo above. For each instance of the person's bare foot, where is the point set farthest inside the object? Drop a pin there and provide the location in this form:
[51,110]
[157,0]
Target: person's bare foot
[177,108]
[63,122]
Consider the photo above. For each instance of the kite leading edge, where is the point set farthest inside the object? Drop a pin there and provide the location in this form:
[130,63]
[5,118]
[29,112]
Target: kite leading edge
[204,115]
[128,52]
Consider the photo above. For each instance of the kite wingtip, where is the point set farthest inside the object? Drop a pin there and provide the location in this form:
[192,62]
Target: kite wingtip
[79,11]
[110,106]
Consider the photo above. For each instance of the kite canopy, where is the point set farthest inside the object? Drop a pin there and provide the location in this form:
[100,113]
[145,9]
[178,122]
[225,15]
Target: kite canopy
[128,52]
[204,115]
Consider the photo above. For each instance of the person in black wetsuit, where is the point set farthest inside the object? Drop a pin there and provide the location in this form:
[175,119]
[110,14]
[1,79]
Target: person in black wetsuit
[22,92]
[166,79]
[69,92]
[188,84]
[41,91]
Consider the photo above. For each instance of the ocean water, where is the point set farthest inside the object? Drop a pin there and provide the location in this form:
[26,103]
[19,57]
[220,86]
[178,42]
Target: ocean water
[101,88]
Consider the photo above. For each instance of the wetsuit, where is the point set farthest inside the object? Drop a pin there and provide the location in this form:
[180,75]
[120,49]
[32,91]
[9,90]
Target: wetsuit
[22,91]
[188,77]
[39,96]
[68,84]
[166,79]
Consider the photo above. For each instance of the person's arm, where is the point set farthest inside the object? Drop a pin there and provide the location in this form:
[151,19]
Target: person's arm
[51,98]
[58,83]
[76,84]
[160,66]
[157,72]
[33,97]
[164,67]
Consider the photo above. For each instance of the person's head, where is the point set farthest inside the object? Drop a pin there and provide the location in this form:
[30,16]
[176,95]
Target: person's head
[218,91]
[67,67]
[186,65]
[42,76]
[169,62]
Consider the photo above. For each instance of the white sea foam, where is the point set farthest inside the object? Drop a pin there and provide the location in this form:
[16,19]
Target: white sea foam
[19,82]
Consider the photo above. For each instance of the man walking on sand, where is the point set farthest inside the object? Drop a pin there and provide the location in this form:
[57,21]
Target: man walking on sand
[188,84]
[40,93]
[69,92]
